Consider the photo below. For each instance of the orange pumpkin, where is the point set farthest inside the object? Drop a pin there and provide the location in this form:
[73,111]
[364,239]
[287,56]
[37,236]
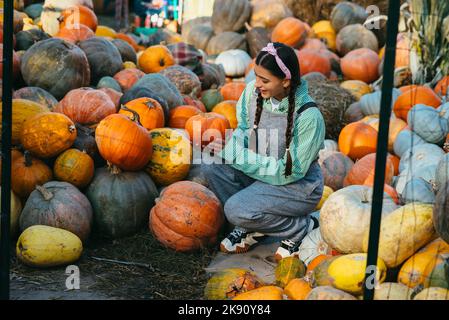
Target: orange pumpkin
[364,170]
[316,261]
[290,31]
[74,16]
[357,139]
[48,134]
[86,106]
[357,88]
[155,59]
[28,172]
[228,110]
[312,60]
[205,127]
[124,142]
[180,115]
[232,90]
[414,96]
[75,167]
[402,51]
[187,216]
[396,126]
[128,77]
[115,96]
[408,87]
[150,112]
[75,35]
[441,87]
[395,160]
[297,289]
[361,64]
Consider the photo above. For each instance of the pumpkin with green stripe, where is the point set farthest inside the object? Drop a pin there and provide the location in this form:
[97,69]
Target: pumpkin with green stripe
[172,153]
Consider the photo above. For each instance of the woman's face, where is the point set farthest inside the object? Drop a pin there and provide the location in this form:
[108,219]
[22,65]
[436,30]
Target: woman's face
[270,85]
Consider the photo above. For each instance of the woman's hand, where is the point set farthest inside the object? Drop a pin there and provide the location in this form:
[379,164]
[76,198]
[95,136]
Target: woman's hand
[215,146]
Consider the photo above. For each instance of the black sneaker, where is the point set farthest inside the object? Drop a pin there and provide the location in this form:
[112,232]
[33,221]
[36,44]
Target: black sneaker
[289,248]
[239,241]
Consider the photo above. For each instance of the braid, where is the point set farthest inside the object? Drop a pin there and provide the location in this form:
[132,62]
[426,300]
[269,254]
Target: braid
[257,117]
[288,132]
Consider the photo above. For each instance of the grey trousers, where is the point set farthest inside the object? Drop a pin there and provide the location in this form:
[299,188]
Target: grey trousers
[279,211]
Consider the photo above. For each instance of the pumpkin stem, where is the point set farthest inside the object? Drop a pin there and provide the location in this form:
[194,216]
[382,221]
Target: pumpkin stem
[113,169]
[28,159]
[149,104]
[44,192]
[136,117]
[72,128]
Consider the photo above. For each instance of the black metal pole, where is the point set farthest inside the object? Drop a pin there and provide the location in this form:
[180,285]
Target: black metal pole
[382,147]
[6,147]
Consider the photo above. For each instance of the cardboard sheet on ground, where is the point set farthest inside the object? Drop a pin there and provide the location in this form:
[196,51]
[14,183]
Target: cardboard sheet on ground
[259,260]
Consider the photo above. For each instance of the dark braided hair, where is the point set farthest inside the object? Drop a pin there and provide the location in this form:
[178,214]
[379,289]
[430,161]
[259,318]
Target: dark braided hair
[267,61]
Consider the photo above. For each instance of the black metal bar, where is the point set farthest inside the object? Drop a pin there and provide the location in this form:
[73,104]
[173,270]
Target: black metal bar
[382,148]
[6,147]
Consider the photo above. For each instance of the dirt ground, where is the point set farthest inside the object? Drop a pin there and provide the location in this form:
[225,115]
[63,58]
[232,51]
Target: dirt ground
[142,269]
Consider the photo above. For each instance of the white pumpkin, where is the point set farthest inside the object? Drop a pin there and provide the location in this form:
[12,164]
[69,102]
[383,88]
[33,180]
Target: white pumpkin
[234,62]
[345,217]
[421,156]
[312,246]
[405,140]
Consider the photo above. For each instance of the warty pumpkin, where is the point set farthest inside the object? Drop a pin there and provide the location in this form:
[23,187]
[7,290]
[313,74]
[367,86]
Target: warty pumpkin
[48,134]
[75,167]
[228,283]
[290,31]
[288,269]
[185,80]
[172,154]
[151,114]
[86,106]
[124,142]
[198,224]
[204,128]
[28,172]
[155,59]
[121,201]
[190,101]
[59,205]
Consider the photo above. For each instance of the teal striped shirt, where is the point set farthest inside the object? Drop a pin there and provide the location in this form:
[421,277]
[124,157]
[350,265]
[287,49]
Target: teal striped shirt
[308,139]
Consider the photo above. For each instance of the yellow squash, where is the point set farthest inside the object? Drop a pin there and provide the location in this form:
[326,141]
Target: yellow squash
[348,272]
[262,293]
[403,232]
[44,246]
[171,158]
[326,193]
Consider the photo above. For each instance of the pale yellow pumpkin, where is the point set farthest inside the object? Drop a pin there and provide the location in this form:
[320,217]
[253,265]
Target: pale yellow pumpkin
[403,232]
[172,154]
[44,246]
[392,291]
[16,209]
[104,31]
[348,272]
[433,293]
[326,193]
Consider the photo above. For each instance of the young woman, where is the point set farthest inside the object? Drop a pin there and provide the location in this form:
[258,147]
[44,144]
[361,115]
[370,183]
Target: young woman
[271,180]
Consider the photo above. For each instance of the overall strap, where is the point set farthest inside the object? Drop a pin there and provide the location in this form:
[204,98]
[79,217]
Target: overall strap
[306,106]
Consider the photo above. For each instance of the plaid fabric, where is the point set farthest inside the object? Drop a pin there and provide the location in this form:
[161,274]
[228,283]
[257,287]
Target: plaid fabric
[187,56]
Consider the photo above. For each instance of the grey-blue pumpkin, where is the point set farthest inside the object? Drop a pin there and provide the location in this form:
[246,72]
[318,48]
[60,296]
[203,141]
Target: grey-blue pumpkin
[405,140]
[418,190]
[426,122]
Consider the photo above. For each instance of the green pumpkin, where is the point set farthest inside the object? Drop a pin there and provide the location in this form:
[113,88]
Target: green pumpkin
[56,66]
[346,13]
[121,201]
[211,98]
[25,39]
[109,82]
[38,95]
[126,50]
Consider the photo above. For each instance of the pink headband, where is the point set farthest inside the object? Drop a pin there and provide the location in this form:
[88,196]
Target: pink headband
[272,50]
